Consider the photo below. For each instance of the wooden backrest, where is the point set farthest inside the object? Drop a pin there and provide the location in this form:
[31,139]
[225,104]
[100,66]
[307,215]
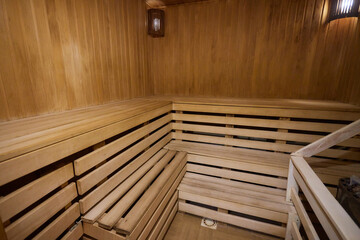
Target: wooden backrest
[268,128]
[39,184]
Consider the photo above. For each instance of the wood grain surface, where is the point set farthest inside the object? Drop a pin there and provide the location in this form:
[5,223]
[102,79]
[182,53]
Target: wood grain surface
[59,55]
[265,48]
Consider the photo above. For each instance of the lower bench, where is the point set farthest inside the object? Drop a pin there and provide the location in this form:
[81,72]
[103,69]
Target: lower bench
[143,205]
[241,187]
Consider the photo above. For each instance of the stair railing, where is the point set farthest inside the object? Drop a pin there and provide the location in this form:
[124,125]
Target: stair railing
[334,219]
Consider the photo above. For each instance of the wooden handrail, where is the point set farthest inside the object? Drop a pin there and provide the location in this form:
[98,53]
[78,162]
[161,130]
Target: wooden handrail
[305,220]
[330,140]
[342,222]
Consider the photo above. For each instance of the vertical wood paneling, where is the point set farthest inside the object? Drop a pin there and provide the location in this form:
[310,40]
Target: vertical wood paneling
[63,54]
[263,48]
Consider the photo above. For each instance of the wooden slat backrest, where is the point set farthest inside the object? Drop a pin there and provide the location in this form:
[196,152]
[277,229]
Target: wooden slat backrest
[277,129]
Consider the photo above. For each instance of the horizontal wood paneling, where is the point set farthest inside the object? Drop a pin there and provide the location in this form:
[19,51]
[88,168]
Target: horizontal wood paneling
[57,55]
[262,49]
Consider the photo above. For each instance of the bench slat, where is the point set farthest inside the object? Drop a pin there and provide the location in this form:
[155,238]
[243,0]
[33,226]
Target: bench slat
[296,137]
[278,207]
[24,144]
[116,212]
[37,159]
[258,111]
[162,220]
[28,223]
[159,204]
[333,153]
[92,159]
[97,194]
[20,199]
[252,167]
[90,180]
[236,184]
[74,234]
[234,206]
[60,224]
[158,188]
[119,191]
[234,220]
[247,177]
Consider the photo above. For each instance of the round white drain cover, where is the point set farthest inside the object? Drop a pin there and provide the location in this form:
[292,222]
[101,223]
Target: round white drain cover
[209,223]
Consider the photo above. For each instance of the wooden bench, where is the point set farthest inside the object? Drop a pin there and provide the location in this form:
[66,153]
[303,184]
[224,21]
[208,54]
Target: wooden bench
[119,166]
[42,194]
[143,205]
[238,158]
[224,183]
[269,128]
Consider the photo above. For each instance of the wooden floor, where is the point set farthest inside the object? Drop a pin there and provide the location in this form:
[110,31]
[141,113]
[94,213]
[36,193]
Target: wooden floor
[186,226]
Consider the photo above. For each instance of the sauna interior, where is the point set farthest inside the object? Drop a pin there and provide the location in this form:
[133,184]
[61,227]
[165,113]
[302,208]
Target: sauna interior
[179,119]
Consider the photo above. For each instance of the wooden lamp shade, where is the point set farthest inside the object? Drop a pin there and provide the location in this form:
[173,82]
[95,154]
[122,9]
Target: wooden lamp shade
[156,22]
[344,9]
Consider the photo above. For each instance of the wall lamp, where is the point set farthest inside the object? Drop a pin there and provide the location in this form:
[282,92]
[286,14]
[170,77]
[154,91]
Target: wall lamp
[344,9]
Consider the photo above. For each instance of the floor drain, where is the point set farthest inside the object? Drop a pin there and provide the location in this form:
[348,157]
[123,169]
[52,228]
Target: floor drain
[209,223]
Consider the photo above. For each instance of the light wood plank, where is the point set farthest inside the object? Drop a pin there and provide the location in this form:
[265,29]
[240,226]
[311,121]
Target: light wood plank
[259,203]
[304,217]
[158,188]
[270,134]
[162,220]
[90,180]
[60,224]
[234,190]
[255,122]
[24,144]
[295,232]
[234,206]
[319,212]
[116,212]
[32,161]
[231,153]
[334,153]
[94,196]
[74,234]
[167,223]
[247,177]
[93,230]
[237,164]
[23,197]
[330,140]
[292,113]
[40,214]
[92,159]
[119,191]
[151,215]
[337,215]
[236,184]
[234,220]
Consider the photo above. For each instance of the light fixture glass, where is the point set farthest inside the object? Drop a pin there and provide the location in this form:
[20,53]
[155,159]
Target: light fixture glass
[344,9]
[156,24]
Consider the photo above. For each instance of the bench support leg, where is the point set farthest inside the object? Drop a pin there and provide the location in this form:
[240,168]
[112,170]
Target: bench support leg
[291,182]
[292,217]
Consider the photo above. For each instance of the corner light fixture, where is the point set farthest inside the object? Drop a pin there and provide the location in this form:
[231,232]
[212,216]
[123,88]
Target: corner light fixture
[344,9]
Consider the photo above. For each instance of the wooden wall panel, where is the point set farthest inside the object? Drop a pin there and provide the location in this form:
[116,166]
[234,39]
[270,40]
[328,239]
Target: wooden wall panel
[63,54]
[262,48]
